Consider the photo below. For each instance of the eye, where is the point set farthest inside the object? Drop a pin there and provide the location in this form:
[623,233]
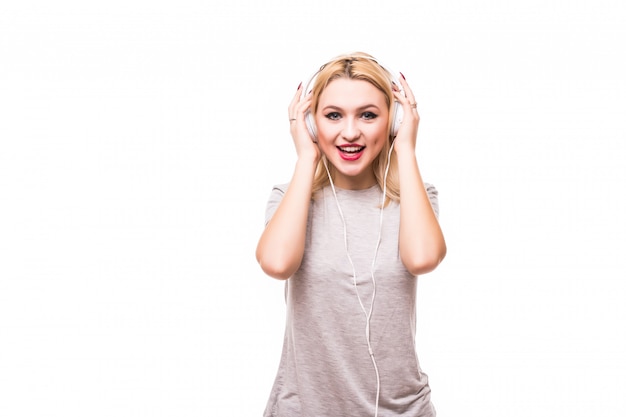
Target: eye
[333,115]
[368,115]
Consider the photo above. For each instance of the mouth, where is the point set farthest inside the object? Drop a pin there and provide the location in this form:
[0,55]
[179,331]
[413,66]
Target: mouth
[350,152]
[350,149]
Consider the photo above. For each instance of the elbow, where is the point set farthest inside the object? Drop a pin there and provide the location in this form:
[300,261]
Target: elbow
[275,268]
[424,263]
[276,272]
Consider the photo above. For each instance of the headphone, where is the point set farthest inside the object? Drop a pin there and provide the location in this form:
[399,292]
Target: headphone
[397,112]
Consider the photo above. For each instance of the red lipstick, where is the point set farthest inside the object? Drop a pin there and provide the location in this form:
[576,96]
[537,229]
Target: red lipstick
[350,152]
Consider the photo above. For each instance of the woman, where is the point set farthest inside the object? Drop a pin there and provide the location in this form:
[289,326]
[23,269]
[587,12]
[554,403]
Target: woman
[350,233]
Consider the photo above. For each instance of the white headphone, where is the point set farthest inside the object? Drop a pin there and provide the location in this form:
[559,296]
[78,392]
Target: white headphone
[397,112]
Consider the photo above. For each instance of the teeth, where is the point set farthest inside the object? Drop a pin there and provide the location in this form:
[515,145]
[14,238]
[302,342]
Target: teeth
[352,149]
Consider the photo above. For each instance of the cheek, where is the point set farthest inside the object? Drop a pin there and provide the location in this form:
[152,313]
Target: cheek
[324,128]
[327,134]
[380,133]
[326,146]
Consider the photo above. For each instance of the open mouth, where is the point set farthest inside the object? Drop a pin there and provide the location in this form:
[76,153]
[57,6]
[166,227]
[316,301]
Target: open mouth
[353,149]
[350,152]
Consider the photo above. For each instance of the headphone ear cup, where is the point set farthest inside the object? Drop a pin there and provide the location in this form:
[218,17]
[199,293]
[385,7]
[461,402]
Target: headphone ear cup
[310,124]
[398,114]
[308,117]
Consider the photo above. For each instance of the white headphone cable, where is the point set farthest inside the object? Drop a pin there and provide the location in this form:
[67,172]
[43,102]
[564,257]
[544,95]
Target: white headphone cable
[368,315]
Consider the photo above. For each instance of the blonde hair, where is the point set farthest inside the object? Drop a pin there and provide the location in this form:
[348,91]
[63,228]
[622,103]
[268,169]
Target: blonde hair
[359,66]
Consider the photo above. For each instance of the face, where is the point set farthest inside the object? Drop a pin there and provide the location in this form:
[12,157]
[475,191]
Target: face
[352,120]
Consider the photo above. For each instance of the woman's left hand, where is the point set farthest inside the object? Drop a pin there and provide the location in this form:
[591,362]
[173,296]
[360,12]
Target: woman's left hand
[407,134]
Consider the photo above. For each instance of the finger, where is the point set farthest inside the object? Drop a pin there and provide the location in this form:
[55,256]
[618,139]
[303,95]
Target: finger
[297,111]
[294,102]
[302,106]
[408,93]
[409,107]
[405,86]
[300,125]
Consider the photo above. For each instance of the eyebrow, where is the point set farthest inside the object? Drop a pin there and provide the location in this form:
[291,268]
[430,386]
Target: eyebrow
[367,106]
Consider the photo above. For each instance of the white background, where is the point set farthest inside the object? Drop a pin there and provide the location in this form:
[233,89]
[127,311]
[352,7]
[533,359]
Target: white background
[139,144]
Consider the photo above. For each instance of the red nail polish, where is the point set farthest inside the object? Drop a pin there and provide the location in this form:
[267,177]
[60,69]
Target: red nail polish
[299,85]
[403,76]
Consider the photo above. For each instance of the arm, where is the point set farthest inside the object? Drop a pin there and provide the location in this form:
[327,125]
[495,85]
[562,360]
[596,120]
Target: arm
[281,246]
[422,245]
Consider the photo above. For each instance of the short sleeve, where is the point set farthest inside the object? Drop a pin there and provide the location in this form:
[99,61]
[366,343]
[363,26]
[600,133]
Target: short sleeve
[433,197]
[276,196]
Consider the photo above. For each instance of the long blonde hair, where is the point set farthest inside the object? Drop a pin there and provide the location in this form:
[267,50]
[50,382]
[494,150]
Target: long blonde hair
[360,66]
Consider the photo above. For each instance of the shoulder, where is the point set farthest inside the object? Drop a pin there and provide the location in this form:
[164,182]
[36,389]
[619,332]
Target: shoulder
[430,188]
[276,196]
[433,196]
[279,190]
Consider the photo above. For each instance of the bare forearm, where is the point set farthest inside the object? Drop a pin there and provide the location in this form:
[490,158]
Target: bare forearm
[422,245]
[281,246]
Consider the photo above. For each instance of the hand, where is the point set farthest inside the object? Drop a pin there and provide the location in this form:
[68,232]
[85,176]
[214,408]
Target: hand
[305,147]
[407,134]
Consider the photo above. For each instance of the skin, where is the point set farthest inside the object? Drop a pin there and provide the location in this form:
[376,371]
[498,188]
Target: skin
[421,242]
[352,112]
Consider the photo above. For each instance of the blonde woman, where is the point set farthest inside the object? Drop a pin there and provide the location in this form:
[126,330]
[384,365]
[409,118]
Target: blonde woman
[349,234]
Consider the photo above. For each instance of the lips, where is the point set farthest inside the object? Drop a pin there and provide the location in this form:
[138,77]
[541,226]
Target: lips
[351,148]
[350,152]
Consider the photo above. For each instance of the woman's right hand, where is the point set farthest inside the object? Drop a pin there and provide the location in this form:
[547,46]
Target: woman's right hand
[305,146]
[281,246]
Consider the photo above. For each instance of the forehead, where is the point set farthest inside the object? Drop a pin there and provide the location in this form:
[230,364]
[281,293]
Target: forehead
[347,92]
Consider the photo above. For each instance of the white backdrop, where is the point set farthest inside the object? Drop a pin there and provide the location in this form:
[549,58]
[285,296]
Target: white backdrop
[139,143]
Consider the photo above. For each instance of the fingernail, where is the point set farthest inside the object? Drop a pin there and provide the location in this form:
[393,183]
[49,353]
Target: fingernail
[299,85]
[403,76]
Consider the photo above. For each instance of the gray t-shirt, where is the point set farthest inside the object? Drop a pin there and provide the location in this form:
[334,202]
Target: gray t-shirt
[325,368]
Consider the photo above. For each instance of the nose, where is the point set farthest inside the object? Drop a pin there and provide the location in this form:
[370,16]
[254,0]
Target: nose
[351,130]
